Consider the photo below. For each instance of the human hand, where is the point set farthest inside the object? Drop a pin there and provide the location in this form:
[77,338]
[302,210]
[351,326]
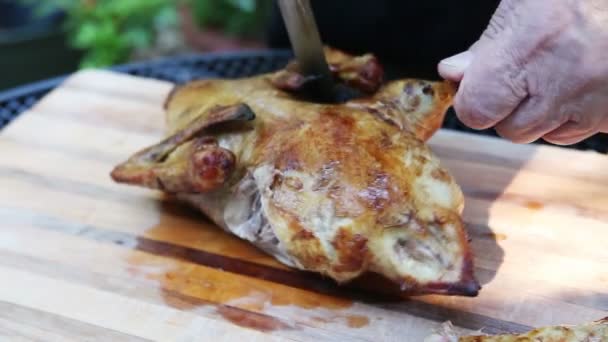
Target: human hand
[539,70]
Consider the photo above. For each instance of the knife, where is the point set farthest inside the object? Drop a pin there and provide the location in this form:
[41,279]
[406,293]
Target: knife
[306,44]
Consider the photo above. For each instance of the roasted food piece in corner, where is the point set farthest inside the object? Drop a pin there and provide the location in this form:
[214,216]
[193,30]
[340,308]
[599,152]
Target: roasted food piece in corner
[342,189]
[592,332]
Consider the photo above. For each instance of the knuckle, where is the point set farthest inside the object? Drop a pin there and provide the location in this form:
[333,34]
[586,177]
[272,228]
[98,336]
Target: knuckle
[534,115]
[474,114]
[516,85]
[529,122]
[514,135]
[571,132]
[490,90]
[579,123]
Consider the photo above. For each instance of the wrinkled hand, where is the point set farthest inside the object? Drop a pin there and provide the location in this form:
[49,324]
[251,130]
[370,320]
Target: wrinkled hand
[539,70]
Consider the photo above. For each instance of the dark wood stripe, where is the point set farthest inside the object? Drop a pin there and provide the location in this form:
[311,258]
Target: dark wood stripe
[251,320]
[72,151]
[297,279]
[70,186]
[60,325]
[133,287]
[113,121]
[141,289]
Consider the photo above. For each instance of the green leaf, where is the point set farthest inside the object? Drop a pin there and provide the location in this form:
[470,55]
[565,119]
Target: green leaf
[86,35]
[203,12]
[138,37]
[166,17]
[108,30]
[244,5]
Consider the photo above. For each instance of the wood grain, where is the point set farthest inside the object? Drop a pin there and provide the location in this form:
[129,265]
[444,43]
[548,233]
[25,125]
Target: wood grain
[82,258]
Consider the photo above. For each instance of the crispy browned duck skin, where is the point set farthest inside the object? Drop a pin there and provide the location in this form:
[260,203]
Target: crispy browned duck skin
[341,189]
[596,331]
[207,167]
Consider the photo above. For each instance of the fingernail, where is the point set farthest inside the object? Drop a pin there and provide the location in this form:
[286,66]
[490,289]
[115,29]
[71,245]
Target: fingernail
[453,67]
[459,61]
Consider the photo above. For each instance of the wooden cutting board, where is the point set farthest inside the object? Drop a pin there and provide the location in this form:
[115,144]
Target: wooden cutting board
[84,258]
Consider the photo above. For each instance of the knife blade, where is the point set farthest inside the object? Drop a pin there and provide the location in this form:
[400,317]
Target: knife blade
[306,44]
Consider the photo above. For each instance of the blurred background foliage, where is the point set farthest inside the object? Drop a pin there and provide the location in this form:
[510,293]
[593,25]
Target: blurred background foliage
[109,32]
[244,18]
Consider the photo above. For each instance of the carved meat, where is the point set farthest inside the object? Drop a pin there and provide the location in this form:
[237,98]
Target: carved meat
[341,188]
[589,332]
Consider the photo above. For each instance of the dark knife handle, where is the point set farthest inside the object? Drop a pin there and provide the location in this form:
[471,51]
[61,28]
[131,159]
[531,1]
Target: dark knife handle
[306,42]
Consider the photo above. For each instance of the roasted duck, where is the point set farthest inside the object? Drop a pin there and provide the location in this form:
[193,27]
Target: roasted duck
[590,332]
[340,188]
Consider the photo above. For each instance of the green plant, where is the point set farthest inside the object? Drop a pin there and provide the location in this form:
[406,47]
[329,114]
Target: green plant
[108,31]
[242,18]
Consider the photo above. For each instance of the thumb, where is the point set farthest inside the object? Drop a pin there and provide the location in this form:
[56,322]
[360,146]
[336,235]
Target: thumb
[453,68]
